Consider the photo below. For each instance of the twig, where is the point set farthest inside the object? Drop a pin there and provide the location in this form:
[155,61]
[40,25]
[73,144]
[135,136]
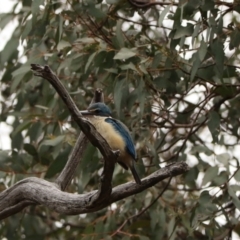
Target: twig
[143,210]
[143,4]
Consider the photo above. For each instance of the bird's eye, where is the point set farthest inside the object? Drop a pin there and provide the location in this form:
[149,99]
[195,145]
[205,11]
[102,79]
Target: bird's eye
[97,110]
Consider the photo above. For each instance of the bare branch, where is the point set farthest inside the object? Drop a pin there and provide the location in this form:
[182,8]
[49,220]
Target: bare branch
[148,3]
[46,73]
[144,209]
[39,191]
[89,130]
[75,157]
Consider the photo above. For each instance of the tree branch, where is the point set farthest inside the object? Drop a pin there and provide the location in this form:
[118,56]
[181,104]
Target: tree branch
[75,157]
[39,191]
[89,130]
[143,210]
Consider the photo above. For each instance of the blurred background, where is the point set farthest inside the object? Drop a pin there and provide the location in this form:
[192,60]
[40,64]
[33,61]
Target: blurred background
[169,70]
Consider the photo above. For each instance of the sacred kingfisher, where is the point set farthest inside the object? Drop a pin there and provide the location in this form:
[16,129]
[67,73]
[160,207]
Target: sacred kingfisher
[115,133]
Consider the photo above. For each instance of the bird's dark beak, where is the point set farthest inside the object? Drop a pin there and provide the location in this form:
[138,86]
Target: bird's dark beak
[86,112]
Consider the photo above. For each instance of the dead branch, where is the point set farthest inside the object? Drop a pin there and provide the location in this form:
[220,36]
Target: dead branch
[33,191]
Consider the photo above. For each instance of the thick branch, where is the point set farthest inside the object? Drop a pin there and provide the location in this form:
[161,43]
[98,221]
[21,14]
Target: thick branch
[46,73]
[89,130]
[75,157]
[39,191]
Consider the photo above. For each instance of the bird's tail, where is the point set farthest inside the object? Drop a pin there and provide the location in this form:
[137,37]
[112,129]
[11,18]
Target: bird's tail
[135,175]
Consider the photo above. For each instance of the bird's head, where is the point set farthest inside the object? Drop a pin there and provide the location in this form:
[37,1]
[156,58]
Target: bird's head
[97,109]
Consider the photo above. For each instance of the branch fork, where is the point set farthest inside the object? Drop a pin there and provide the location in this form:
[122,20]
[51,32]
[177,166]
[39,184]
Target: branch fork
[33,191]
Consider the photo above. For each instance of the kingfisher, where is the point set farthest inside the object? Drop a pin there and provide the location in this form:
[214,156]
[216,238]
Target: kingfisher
[115,133]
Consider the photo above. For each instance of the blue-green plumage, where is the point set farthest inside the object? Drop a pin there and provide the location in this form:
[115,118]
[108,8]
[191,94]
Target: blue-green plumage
[123,131]
[115,133]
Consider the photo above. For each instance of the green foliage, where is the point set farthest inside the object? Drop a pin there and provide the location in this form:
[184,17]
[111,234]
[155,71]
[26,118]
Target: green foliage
[169,72]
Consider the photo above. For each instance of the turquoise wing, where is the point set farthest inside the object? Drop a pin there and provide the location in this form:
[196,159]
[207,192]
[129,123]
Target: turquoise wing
[124,132]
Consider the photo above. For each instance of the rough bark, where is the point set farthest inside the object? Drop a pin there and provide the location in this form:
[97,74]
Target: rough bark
[39,191]
[33,191]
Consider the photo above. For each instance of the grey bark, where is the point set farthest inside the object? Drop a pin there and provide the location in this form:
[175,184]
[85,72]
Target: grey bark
[39,191]
[33,191]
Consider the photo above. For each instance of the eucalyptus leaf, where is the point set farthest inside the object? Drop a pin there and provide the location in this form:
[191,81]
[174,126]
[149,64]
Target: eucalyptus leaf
[54,141]
[210,174]
[124,53]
